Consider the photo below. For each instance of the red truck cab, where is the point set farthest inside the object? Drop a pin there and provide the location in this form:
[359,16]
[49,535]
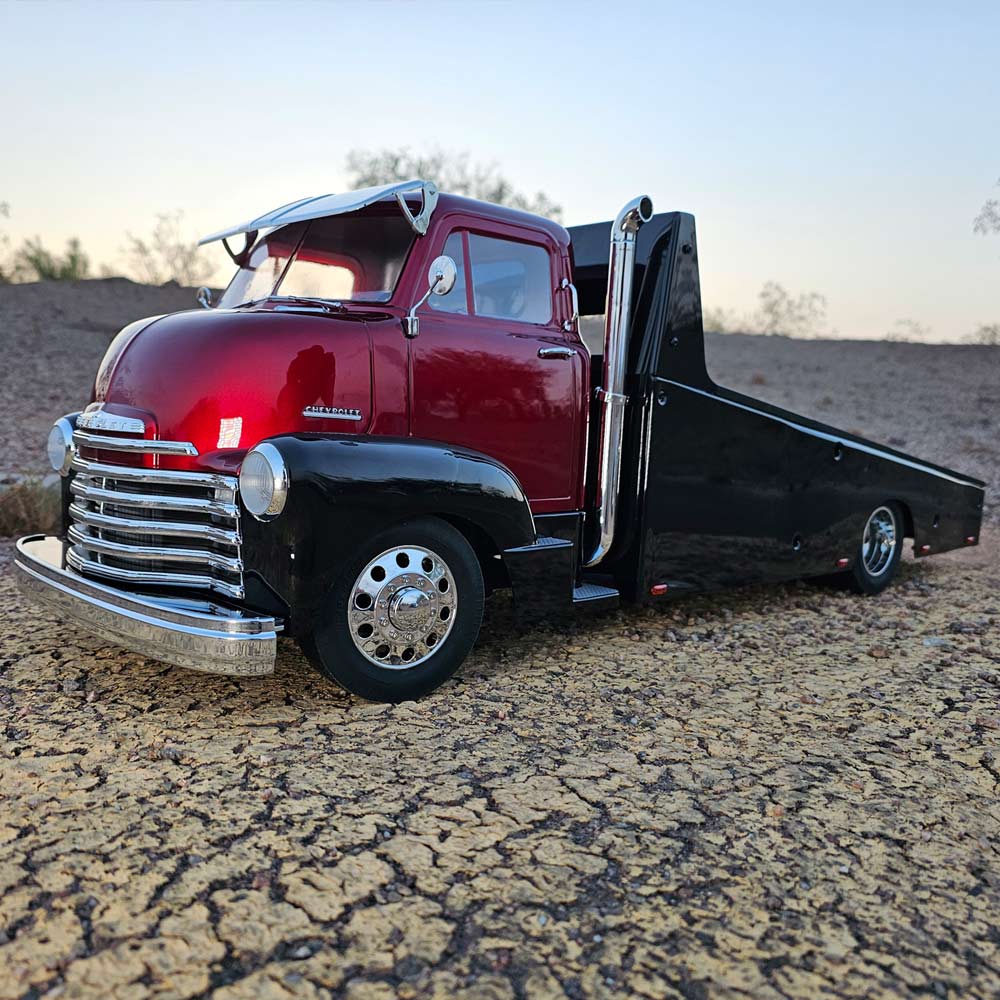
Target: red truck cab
[391,412]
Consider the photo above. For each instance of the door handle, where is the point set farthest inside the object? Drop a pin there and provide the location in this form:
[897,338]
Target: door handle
[551,353]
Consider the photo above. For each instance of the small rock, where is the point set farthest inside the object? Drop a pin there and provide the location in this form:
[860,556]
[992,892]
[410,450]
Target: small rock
[878,653]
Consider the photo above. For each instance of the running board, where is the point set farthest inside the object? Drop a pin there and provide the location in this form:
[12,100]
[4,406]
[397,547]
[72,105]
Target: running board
[543,578]
[594,597]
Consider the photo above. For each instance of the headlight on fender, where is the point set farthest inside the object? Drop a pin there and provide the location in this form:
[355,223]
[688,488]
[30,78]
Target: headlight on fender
[264,482]
[60,446]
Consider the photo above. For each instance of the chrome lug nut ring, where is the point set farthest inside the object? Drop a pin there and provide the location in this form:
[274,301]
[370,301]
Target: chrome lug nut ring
[402,607]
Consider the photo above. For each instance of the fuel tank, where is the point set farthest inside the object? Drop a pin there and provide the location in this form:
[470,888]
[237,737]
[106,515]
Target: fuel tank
[224,380]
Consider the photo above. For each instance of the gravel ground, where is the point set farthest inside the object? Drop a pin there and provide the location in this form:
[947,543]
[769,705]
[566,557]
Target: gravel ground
[772,792]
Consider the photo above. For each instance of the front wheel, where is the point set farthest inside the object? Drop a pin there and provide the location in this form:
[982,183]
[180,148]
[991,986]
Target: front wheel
[880,550]
[404,613]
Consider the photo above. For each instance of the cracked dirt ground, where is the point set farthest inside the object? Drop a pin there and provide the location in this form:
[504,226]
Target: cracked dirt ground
[773,792]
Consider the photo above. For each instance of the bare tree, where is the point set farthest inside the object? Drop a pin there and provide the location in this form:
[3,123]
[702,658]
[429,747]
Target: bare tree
[166,255]
[452,172]
[988,220]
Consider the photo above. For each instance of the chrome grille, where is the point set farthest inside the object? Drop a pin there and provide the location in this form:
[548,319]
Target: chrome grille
[154,527]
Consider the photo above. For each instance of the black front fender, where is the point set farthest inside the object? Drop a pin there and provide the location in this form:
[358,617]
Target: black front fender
[345,488]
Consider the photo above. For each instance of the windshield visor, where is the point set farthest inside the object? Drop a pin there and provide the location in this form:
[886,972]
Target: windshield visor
[343,258]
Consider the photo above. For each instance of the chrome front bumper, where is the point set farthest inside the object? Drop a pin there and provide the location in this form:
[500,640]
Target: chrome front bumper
[200,635]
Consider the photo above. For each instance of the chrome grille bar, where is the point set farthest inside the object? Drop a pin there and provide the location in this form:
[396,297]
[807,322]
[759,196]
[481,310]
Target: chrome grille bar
[150,528]
[144,446]
[152,578]
[152,501]
[149,552]
[126,473]
[130,526]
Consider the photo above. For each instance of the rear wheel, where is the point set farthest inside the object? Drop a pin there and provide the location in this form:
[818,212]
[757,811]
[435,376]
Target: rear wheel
[880,550]
[404,613]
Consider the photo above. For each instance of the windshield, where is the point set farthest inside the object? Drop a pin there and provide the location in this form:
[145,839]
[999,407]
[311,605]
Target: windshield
[345,258]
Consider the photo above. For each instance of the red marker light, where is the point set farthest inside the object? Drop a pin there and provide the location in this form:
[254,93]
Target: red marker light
[970,539]
[925,548]
[658,589]
[843,562]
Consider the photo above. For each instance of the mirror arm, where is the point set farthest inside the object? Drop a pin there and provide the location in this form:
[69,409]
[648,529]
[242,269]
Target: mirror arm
[411,321]
[570,324]
[240,256]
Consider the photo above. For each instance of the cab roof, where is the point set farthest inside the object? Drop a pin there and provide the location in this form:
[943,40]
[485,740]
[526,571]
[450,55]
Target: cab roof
[425,193]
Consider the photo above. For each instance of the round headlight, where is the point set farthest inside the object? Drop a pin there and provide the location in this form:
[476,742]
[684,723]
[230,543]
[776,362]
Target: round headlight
[60,446]
[264,482]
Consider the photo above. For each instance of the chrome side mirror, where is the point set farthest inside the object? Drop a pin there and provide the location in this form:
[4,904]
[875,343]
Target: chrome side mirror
[441,278]
[204,297]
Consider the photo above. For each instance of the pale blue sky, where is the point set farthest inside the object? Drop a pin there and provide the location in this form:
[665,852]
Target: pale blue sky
[840,148]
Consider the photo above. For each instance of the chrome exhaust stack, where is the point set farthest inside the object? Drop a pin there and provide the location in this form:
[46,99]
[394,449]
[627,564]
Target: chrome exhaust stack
[617,319]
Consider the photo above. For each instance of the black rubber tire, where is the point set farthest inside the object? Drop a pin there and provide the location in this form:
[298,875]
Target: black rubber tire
[332,650]
[857,577]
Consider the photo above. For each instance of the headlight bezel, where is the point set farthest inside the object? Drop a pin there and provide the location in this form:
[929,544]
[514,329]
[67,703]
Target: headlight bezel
[64,428]
[274,475]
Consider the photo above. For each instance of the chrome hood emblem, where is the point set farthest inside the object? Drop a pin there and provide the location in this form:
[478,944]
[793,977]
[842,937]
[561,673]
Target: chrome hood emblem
[96,418]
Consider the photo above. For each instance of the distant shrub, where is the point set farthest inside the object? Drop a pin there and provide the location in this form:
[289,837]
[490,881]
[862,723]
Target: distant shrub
[909,331]
[28,507]
[717,320]
[33,262]
[166,255]
[778,313]
[6,267]
[988,333]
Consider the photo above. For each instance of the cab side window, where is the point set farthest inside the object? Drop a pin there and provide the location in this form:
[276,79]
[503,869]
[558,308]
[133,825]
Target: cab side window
[455,301]
[510,280]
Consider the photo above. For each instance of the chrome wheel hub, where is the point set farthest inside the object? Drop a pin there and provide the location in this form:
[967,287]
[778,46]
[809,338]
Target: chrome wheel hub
[879,541]
[402,607]
[410,609]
